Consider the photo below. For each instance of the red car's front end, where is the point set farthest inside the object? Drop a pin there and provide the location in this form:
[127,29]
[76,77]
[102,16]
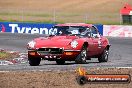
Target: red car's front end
[55,47]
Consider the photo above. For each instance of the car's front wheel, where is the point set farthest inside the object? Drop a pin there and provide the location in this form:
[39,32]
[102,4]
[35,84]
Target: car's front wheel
[104,56]
[60,62]
[82,57]
[34,61]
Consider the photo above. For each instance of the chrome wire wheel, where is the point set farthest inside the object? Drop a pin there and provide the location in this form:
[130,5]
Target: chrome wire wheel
[104,56]
[84,54]
[106,53]
[82,57]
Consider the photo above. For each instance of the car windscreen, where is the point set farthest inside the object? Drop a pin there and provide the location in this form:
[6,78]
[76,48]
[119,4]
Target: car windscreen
[68,30]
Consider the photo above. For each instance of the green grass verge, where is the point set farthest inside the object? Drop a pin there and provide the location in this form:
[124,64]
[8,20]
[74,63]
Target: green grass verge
[4,55]
[7,56]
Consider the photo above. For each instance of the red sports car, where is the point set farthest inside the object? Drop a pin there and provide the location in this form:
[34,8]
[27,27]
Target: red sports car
[69,42]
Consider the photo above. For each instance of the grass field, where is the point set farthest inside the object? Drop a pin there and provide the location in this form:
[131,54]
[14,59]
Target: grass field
[89,11]
[7,56]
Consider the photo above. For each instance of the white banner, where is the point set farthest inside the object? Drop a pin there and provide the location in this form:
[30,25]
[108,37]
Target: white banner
[117,30]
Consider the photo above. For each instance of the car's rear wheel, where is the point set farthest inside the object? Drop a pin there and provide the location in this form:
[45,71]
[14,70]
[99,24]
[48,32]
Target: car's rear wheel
[34,61]
[104,56]
[82,57]
[60,62]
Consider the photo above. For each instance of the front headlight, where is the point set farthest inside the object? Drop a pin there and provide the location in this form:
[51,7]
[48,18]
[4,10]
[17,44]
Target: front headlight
[31,44]
[74,44]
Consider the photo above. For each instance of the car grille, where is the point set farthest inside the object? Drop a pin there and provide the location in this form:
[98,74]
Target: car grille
[46,51]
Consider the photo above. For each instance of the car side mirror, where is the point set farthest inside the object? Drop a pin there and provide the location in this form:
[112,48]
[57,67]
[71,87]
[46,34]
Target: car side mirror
[96,35]
[89,35]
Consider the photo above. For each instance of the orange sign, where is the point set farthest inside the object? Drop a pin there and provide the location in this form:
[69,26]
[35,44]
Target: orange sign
[101,78]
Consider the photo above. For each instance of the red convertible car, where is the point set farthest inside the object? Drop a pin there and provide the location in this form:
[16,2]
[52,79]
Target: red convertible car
[69,42]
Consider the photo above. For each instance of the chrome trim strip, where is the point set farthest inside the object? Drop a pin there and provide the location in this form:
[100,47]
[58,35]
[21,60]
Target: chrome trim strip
[72,50]
[52,47]
[31,50]
[60,48]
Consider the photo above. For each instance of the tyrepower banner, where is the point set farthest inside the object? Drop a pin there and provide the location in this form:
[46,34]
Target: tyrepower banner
[32,28]
[117,30]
